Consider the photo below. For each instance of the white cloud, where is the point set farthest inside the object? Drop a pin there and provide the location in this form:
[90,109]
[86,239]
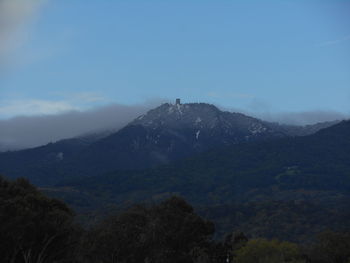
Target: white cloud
[34,107]
[302,118]
[63,103]
[333,42]
[15,15]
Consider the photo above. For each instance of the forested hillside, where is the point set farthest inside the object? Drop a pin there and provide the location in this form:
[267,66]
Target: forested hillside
[302,178]
[35,228]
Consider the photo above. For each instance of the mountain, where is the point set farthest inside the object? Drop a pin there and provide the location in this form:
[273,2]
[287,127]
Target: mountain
[261,177]
[317,162]
[263,187]
[165,134]
[38,163]
[171,132]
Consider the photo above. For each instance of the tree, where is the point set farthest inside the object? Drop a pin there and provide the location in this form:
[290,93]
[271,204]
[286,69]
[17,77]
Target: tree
[33,228]
[331,247]
[165,233]
[265,251]
[232,243]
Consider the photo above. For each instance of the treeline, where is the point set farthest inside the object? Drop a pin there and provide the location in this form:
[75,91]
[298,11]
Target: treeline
[38,229]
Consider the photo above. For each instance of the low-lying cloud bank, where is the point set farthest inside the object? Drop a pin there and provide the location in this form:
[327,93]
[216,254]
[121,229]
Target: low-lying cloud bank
[31,131]
[26,132]
[302,118]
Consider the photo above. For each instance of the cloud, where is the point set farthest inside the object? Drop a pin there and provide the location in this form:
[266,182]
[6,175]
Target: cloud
[262,110]
[34,107]
[333,42]
[30,107]
[303,118]
[15,15]
[30,131]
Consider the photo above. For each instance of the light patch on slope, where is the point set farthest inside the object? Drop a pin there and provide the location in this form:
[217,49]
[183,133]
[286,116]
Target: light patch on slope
[141,117]
[179,108]
[197,134]
[170,110]
[257,128]
[59,156]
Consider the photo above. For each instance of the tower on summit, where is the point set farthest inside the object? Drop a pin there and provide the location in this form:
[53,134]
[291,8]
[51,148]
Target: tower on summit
[178,102]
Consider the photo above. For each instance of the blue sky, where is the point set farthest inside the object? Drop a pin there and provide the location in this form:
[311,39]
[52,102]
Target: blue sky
[272,56]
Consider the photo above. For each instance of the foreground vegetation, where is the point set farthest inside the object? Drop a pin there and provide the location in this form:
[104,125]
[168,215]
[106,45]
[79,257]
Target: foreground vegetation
[38,229]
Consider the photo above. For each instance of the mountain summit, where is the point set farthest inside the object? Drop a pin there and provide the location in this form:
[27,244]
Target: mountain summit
[203,122]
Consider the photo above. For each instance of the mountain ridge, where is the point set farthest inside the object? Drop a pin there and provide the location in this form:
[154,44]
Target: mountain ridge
[167,133]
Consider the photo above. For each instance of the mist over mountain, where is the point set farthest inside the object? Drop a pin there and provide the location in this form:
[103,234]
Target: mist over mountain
[164,134]
[33,131]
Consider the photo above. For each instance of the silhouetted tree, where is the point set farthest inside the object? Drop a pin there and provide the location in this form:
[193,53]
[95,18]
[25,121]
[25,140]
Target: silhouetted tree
[168,232]
[265,251]
[233,242]
[34,228]
[331,247]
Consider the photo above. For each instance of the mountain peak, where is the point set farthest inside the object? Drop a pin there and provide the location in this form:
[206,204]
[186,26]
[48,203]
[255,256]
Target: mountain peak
[173,115]
[204,119]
